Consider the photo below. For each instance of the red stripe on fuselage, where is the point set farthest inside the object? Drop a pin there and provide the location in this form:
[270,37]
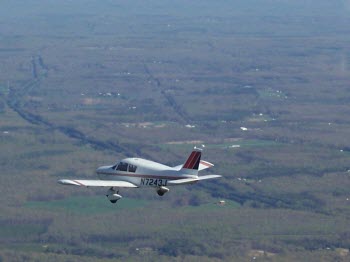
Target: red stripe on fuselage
[144,175]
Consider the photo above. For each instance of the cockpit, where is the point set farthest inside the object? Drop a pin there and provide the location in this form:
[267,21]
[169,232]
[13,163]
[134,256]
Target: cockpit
[122,166]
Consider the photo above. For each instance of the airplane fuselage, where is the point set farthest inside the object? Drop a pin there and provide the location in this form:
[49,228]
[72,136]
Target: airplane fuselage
[141,172]
[138,172]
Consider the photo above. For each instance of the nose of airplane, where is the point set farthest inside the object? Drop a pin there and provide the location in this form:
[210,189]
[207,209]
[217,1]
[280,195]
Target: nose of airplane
[103,169]
[100,169]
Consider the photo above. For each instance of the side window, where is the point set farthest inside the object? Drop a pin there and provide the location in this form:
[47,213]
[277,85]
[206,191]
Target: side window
[132,168]
[122,166]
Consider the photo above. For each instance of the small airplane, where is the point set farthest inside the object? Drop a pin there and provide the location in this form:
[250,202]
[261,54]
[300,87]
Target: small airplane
[138,172]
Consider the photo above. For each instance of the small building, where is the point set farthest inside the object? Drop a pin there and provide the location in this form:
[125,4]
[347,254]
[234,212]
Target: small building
[221,202]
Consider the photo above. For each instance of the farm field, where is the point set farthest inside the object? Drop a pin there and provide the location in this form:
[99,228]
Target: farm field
[261,86]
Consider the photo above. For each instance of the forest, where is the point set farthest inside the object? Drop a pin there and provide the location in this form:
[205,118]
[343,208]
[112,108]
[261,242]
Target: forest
[261,86]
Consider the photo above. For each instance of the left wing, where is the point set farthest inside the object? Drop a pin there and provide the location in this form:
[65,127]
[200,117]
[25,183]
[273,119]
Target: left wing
[191,180]
[96,183]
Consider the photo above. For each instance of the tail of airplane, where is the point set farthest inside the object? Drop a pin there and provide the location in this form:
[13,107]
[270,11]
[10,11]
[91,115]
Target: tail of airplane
[192,163]
[191,167]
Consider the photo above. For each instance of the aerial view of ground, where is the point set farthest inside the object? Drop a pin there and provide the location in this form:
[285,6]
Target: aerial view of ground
[261,86]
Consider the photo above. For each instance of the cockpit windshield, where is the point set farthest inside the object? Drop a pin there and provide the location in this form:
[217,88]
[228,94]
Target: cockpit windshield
[122,166]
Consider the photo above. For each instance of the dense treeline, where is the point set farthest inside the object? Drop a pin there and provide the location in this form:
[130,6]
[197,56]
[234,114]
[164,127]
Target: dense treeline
[265,100]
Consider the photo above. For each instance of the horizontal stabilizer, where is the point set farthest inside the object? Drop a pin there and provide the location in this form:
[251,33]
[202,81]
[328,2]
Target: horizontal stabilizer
[204,165]
[183,181]
[191,180]
[208,177]
[96,183]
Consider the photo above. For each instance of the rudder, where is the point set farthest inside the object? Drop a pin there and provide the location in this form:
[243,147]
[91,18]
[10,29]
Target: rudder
[193,160]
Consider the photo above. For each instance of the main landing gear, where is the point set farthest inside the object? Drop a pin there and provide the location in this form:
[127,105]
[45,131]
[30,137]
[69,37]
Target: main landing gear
[113,195]
[162,190]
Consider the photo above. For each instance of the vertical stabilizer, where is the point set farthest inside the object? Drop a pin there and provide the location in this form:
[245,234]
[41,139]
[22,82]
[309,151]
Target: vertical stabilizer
[192,163]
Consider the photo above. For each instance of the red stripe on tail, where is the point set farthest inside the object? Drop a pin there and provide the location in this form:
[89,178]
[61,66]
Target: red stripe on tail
[187,164]
[193,160]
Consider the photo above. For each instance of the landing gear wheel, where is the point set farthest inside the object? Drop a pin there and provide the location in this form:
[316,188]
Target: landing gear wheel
[113,195]
[162,190]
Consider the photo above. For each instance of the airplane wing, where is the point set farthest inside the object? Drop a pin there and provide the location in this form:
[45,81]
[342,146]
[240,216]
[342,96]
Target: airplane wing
[96,183]
[191,180]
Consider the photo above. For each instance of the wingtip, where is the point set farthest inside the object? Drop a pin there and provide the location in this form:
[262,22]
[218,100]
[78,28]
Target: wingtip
[66,182]
[60,181]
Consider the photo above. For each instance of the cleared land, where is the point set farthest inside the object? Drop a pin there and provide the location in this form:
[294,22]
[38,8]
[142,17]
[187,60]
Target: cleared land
[263,87]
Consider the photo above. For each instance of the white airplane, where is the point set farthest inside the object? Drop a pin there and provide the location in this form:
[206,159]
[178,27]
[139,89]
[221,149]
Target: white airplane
[137,172]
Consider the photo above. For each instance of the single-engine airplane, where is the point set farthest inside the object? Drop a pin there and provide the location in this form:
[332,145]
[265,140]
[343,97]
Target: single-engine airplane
[138,172]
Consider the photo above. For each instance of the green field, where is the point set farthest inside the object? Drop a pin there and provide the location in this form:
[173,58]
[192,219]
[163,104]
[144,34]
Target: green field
[85,205]
[261,86]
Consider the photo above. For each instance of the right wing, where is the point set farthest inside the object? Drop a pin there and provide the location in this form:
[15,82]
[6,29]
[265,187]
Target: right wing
[96,183]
